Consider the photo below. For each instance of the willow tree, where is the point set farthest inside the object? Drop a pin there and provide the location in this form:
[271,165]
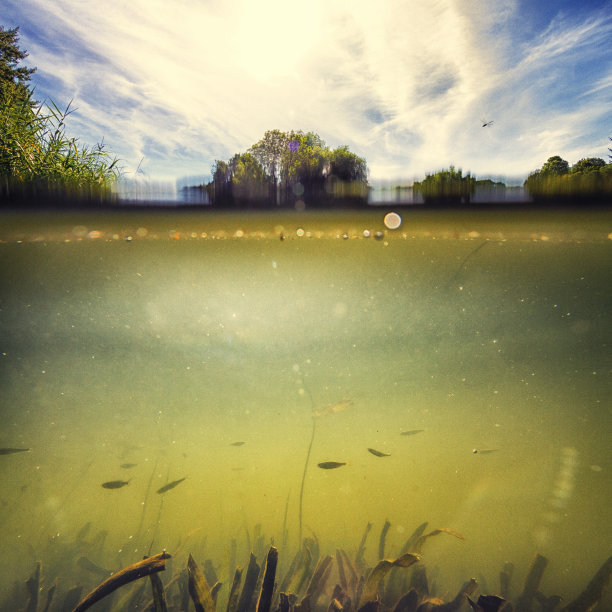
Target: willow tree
[289,168]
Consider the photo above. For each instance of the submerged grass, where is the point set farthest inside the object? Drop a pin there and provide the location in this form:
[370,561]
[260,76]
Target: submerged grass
[312,582]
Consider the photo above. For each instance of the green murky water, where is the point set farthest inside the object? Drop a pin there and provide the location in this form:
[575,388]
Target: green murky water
[161,340]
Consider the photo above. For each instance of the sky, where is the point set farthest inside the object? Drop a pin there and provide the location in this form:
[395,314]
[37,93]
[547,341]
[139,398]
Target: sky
[172,86]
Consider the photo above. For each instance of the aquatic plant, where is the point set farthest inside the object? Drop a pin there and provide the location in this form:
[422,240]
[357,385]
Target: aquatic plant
[315,414]
[312,583]
[39,162]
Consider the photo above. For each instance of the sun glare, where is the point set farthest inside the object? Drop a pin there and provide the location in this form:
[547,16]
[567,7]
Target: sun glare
[274,35]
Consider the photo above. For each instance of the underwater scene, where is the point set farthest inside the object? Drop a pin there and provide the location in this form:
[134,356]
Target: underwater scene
[302,397]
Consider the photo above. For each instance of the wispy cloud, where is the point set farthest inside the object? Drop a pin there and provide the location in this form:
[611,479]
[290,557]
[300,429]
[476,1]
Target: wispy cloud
[405,84]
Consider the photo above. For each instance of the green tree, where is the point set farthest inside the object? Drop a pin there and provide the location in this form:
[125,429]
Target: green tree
[446,187]
[588,181]
[348,176]
[13,78]
[284,167]
[220,189]
[555,166]
[307,166]
[347,166]
[269,152]
[587,165]
[249,182]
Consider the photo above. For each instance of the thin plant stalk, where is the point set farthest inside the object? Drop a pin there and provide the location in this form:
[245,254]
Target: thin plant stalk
[312,436]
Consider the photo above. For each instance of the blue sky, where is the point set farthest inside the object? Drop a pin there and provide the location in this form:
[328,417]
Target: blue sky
[405,84]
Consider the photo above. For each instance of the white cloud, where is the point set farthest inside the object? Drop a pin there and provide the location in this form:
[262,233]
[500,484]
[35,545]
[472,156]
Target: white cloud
[405,84]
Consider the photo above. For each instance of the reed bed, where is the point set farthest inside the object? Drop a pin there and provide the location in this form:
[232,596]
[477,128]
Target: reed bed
[41,163]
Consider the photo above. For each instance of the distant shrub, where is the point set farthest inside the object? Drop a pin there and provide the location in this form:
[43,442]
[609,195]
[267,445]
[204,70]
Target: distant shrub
[446,187]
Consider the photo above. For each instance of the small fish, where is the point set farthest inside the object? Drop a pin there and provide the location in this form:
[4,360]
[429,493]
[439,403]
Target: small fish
[331,465]
[170,485]
[237,443]
[485,451]
[127,466]
[411,432]
[10,451]
[115,484]
[378,453]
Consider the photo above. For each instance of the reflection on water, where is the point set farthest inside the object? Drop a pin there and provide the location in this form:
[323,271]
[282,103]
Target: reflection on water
[206,348]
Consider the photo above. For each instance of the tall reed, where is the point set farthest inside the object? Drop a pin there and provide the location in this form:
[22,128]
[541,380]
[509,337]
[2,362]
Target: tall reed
[38,160]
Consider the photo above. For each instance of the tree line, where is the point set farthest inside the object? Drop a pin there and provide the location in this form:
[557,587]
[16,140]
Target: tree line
[294,169]
[589,180]
[289,169]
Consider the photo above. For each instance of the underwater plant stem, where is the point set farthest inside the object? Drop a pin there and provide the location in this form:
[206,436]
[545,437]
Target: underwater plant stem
[381,542]
[159,595]
[593,593]
[284,540]
[145,504]
[312,407]
[156,527]
[532,583]
[138,570]
[267,586]
[312,436]
[461,267]
[33,584]
[199,590]
[249,585]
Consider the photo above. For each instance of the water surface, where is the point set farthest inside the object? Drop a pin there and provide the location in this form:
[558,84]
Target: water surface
[163,340]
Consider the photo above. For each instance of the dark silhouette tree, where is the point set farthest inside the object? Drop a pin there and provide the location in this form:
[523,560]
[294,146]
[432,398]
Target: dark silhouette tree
[220,189]
[13,78]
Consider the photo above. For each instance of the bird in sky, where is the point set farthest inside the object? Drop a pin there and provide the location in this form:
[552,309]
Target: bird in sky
[487,123]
